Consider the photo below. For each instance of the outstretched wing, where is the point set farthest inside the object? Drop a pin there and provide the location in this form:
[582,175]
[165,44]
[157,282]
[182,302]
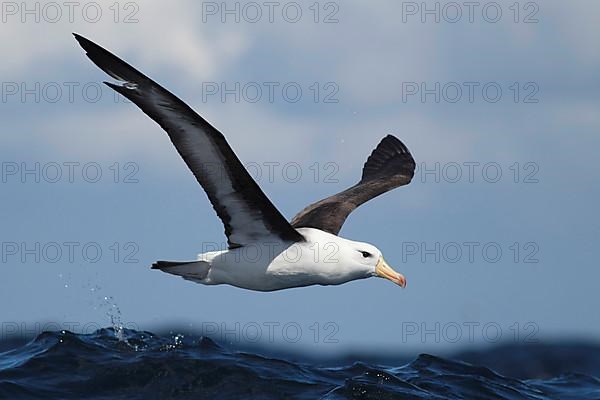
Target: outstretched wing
[244,209]
[389,166]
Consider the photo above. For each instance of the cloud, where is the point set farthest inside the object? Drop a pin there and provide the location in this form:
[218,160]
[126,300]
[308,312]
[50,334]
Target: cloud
[369,54]
[180,44]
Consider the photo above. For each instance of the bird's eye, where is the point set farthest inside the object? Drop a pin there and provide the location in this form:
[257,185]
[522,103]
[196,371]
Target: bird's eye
[366,254]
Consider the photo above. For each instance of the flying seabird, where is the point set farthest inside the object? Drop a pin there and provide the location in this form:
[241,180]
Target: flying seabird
[265,251]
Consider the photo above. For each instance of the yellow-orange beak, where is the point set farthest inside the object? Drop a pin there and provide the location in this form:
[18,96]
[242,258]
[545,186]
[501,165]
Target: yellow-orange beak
[385,271]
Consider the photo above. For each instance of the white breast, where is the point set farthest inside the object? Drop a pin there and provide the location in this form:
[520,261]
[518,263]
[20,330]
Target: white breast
[274,266]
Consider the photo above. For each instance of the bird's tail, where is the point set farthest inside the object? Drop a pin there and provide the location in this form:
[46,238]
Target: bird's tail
[190,270]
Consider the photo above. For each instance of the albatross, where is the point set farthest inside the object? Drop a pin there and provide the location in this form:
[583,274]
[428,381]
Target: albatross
[265,252]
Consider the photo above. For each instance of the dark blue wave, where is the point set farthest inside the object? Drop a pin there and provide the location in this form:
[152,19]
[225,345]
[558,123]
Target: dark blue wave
[141,365]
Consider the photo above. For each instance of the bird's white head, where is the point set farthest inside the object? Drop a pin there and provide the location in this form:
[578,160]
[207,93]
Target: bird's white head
[369,258]
[351,260]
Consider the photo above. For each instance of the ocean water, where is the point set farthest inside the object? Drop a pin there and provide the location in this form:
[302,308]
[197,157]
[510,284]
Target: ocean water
[126,364]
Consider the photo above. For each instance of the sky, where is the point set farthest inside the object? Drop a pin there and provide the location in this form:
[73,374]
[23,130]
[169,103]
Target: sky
[496,235]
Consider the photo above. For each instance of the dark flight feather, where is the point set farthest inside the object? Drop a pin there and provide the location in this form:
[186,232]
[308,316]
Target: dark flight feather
[389,166]
[246,212]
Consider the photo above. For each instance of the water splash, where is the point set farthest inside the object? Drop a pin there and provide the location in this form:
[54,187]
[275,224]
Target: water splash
[110,307]
[177,342]
[113,312]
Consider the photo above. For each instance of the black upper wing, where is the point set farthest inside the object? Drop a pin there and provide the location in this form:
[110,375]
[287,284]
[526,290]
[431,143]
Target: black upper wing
[244,209]
[389,166]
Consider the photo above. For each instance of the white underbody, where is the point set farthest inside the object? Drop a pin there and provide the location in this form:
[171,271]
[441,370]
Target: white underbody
[275,265]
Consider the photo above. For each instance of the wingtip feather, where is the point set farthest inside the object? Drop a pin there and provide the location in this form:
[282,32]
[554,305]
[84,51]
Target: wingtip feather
[108,62]
[84,42]
[389,148]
